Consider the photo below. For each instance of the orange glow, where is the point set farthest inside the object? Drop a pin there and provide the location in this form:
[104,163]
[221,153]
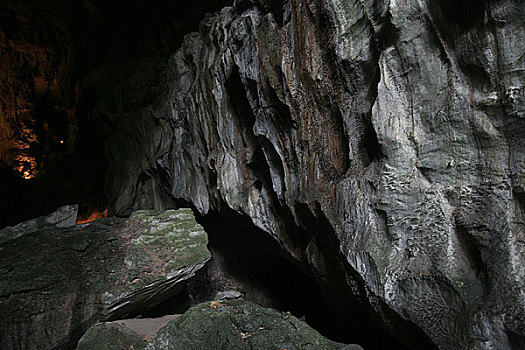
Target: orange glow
[92,216]
[26,167]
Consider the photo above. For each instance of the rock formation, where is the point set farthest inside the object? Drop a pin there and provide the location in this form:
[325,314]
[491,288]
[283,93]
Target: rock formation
[65,216]
[105,270]
[357,163]
[68,70]
[231,325]
[374,148]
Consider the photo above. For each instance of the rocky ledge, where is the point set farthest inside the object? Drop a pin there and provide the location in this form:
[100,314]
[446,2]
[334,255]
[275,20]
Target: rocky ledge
[129,284]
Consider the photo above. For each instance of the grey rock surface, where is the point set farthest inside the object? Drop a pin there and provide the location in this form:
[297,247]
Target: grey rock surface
[124,334]
[213,325]
[57,282]
[110,336]
[65,216]
[399,122]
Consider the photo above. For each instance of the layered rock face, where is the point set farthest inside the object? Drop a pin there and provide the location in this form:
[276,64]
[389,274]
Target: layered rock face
[375,145]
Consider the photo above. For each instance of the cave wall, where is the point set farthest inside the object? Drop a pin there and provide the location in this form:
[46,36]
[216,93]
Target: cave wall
[68,71]
[386,136]
[39,101]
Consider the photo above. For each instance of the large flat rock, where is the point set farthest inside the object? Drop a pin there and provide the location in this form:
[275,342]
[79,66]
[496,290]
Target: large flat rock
[56,282]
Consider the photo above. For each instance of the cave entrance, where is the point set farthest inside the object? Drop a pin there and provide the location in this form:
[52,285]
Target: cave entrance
[249,260]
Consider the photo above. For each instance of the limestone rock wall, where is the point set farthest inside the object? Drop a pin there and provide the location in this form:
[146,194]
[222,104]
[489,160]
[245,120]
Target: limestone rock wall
[395,126]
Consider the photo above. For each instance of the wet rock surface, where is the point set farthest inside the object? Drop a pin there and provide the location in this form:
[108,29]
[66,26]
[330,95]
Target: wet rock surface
[57,282]
[213,325]
[375,146]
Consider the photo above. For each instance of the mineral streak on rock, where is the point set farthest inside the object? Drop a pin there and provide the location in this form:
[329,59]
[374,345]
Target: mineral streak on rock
[379,143]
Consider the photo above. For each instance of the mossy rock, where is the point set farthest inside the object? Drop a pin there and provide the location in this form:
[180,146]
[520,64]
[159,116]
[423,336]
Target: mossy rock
[110,336]
[173,236]
[239,325]
[105,269]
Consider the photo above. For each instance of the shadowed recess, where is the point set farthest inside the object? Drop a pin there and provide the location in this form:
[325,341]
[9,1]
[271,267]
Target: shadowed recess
[255,263]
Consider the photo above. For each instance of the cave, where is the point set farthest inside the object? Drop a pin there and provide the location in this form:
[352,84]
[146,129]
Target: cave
[353,169]
[465,14]
[267,275]
[65,69]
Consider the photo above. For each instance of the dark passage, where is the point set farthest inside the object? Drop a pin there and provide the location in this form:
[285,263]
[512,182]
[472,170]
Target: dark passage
[69,71]
[465,14]
[247,259]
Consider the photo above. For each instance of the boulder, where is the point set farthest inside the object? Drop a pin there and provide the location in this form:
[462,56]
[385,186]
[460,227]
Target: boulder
[110,336]
[234,324]
[65,216]
[56,282]
[239,324]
